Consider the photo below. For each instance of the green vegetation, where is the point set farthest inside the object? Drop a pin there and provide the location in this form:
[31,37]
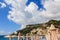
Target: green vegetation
[56,23]
[42,26]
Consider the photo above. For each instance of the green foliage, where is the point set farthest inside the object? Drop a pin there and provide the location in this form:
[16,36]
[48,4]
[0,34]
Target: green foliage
[56,23]
[29,28]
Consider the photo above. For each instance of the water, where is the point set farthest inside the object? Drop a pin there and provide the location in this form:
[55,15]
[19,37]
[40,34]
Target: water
[3,38]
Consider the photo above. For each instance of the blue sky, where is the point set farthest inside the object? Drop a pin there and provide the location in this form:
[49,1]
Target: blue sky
[5,24]
[8,25]
[16,14]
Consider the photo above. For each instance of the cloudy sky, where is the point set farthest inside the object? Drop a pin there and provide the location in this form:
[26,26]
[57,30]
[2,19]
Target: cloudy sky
[16,14]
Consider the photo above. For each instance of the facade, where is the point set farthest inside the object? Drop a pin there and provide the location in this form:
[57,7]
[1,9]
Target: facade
[52,33]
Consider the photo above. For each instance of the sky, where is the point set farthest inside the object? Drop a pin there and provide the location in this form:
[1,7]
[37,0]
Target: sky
[16,14]
[6,26]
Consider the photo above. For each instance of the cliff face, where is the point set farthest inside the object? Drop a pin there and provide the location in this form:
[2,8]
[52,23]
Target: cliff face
[36,27]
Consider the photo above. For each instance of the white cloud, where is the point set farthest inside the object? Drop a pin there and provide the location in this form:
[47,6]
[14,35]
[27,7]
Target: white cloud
[2,5]
[52,9]
[31,8]
[22,14]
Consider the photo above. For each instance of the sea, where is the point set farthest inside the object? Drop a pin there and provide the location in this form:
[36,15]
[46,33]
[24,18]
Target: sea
[3,38]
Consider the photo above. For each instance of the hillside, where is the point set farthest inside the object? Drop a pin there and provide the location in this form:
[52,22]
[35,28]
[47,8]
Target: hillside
[42,26]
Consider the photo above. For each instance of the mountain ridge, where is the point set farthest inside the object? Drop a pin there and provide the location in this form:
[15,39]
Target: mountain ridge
[42,26]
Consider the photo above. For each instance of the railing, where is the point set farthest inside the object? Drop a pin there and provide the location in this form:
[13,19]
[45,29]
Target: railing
[28,38]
